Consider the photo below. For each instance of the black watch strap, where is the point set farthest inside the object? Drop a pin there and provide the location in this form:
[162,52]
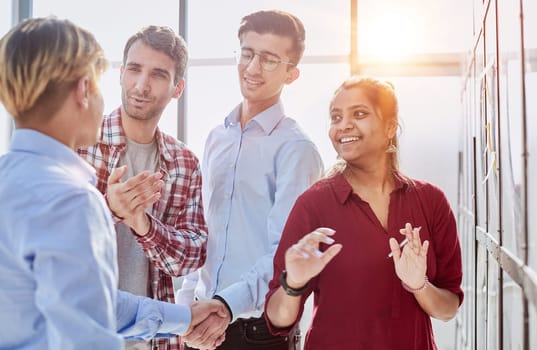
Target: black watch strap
[288,290]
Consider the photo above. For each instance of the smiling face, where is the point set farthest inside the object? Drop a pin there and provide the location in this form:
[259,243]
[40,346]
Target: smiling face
[259,86]
[357,130]
[147,82]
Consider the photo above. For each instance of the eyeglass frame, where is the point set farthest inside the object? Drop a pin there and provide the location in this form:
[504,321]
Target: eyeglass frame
[263,59]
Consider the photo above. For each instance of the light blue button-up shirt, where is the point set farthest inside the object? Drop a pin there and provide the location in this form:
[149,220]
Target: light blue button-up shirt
[58,267]
[251,179]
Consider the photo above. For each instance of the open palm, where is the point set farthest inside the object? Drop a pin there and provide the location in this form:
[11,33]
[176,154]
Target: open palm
[410,262]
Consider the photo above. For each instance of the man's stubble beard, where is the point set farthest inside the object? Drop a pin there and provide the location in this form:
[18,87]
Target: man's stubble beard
[138,115]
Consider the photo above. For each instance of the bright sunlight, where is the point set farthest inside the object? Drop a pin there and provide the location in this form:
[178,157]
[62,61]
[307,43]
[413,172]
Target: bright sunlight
[388,37]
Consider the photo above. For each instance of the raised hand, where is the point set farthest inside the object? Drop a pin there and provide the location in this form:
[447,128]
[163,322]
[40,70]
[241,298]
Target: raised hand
[210,319]
[128,200]
[304,261]
[410,262]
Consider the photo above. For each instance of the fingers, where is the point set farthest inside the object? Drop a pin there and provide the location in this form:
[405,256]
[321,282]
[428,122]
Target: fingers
[309,244]
[117,174]
[208,334]
[304,260]
[424,248]
[202,309]
[413,249]
[210,319]
[133,196]
[331,252]
[396,250]
[145,179]
[413,236]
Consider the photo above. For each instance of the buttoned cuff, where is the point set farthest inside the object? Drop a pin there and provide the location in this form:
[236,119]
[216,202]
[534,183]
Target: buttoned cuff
[238,299]
[176,318]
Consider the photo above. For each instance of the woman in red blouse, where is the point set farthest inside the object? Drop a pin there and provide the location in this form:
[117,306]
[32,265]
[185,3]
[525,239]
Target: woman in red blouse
[344,240]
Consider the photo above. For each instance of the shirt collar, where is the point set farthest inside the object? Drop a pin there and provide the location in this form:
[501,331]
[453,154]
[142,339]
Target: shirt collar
[267,119]
[113,134]
[35,142]
[343,189]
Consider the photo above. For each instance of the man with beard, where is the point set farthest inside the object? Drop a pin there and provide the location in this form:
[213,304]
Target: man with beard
[151,181]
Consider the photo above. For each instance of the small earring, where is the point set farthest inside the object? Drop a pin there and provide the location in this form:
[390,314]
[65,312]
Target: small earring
[391,147]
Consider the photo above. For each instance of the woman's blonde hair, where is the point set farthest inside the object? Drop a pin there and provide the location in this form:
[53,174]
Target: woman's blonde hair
[40,61]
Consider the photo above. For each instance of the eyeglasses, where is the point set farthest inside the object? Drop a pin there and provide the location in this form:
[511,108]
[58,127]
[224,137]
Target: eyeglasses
[268,62]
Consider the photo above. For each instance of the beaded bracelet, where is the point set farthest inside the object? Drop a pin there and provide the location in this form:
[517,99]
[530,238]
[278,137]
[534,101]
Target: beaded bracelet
[416,290]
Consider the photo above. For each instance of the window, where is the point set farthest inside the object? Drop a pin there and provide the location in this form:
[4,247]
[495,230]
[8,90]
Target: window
[112,28]
[5,119]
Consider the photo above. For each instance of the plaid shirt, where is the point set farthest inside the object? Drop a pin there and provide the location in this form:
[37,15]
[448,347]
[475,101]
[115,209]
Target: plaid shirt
[177,240]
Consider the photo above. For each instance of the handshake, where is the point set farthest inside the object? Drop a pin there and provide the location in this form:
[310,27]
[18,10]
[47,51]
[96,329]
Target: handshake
[210,319]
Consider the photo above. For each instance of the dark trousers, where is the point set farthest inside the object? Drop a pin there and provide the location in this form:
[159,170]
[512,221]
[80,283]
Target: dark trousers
[253,334]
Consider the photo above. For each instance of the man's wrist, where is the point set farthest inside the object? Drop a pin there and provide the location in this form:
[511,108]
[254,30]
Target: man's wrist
[120,218]
[142,227]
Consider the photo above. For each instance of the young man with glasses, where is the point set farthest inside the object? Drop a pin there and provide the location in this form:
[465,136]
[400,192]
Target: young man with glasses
[255,166]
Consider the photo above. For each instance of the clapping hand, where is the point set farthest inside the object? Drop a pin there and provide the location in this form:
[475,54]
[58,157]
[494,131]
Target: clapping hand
[411,261]
[129,200]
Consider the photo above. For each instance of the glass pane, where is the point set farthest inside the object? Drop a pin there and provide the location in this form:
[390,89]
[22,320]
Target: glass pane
[533,322]
[390,29]
[489,128]
[224,94]
[492,307]
[116,23]
[511,128]
[478,119]
[5,128]
[530,44]
[5,120]
[112,32]
[5,17]
[481,297]
[512,315]
[213,33]
[441,147]
[305,100]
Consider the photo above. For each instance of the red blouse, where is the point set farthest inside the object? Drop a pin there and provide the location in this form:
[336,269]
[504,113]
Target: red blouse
[359,302]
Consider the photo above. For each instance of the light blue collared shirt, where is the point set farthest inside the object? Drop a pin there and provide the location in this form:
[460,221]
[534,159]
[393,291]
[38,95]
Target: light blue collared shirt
[58,267]
[251,179]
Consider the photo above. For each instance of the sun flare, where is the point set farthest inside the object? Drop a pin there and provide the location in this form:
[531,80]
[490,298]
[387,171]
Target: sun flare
[389,37]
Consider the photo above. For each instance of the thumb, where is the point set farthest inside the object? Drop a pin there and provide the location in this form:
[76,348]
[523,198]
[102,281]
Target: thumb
[396,250]
[222,311]
[331,252]
[117,174]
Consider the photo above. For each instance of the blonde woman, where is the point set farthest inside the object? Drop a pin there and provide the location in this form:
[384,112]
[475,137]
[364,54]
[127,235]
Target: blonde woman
[58,270]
